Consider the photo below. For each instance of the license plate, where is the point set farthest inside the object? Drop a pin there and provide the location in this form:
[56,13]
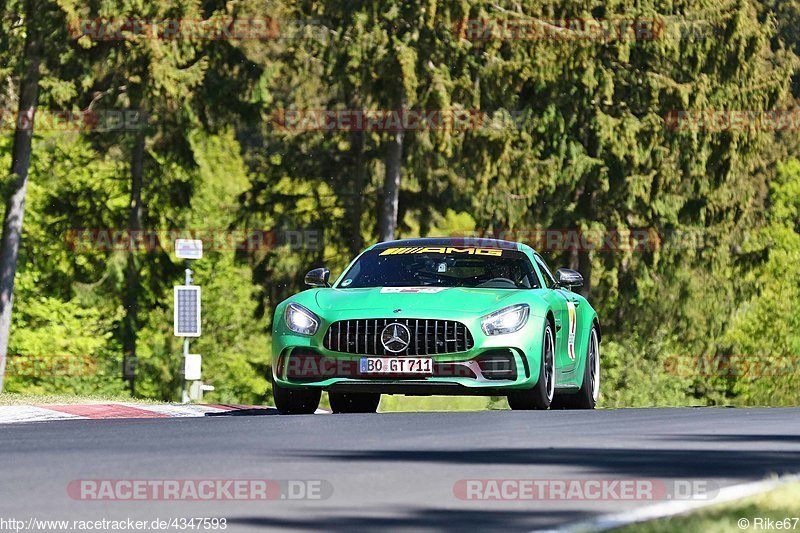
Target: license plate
[396,365]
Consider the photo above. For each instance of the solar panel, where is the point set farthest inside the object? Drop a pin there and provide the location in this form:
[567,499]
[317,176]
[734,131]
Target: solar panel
[187,311]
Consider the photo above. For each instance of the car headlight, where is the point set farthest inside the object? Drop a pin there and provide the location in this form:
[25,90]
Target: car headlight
[301,320]
[506,320]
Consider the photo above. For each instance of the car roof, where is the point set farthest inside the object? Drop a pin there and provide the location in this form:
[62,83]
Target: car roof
[459,242]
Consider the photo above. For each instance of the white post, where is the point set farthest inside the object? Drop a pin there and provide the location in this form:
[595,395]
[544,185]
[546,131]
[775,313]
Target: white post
[188,249]
[185,396]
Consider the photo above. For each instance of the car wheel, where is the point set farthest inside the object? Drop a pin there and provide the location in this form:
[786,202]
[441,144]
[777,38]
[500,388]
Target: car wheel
[290,401]
[541,395]
[353,402]
[589,393]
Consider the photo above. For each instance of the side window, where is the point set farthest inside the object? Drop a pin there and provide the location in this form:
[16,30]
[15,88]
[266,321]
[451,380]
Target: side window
[529,278]
[550,281]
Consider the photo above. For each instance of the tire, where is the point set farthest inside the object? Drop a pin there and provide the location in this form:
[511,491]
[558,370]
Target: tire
[541,395]
[291,401]
[354,402]
[589,393]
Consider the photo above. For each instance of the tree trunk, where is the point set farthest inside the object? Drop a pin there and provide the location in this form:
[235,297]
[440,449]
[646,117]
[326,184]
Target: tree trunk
[132,288]
[357,192]
[585,268]
[20,164]
[391,188]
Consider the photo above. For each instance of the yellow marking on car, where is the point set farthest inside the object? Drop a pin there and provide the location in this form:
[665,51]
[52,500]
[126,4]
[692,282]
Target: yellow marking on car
[488,251]
[572,325]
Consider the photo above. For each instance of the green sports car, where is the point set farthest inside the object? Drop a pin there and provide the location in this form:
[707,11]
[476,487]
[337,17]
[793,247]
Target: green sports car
[437,316]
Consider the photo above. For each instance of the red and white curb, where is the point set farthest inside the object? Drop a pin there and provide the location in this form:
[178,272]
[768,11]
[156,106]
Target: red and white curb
[41,413]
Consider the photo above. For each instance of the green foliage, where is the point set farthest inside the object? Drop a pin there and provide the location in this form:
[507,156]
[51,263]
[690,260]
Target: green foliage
[765,329]
[60,346]
[62,333]
[635,373]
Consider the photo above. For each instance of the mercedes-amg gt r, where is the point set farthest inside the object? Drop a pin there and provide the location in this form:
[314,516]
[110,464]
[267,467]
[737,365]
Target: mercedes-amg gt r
[438,316]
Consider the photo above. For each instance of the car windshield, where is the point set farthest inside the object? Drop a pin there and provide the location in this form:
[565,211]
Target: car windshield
[441,267]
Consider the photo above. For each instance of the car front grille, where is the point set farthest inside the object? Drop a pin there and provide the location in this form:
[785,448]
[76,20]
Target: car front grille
[427,336]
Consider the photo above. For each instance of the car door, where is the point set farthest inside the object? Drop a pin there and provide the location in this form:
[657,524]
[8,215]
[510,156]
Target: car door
[565,308]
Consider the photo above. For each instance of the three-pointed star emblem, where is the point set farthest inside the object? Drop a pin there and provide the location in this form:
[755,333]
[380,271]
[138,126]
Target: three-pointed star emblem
[395,337]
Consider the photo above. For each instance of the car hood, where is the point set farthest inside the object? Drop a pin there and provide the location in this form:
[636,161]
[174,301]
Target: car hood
[468,300]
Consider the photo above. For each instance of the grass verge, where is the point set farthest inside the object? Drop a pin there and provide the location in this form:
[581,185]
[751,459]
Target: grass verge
[399,403]
[16,398]
[781,505]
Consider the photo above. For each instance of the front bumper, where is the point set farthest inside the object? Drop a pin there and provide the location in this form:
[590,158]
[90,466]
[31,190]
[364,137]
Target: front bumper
[303,361]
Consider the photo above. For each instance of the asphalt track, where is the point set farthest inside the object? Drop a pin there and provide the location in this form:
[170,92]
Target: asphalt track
[393,471]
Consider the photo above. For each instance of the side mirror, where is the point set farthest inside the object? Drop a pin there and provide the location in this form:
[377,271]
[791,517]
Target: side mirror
[568,278]
[318,277]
